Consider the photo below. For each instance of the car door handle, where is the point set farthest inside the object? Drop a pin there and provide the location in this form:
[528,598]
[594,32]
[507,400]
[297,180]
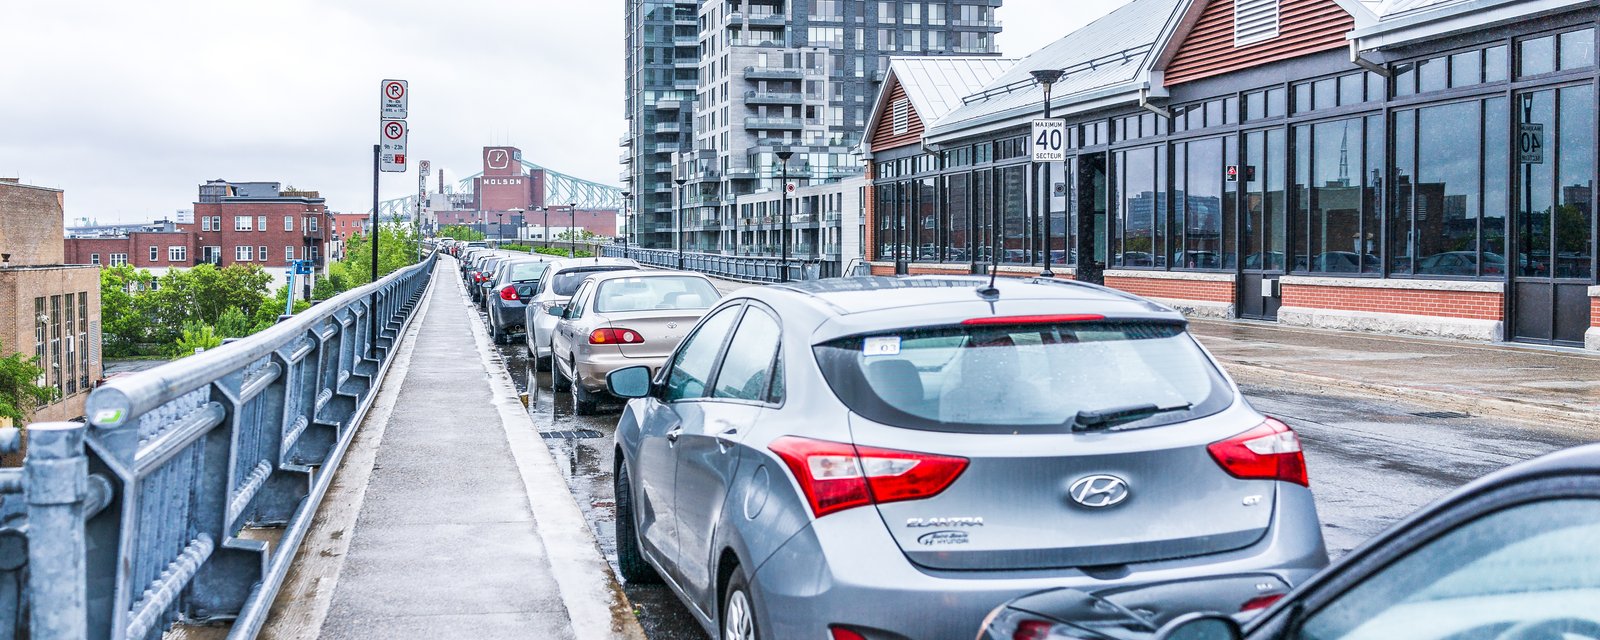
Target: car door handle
[672,436]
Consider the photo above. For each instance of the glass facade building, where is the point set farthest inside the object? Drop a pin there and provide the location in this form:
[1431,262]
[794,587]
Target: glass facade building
[1443,186]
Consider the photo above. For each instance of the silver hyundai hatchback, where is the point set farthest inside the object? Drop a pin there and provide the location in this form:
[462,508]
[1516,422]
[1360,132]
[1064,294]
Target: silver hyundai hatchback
[895,457]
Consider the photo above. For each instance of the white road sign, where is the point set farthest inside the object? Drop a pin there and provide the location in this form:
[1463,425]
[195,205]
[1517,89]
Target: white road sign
[1530,143]
[392,146]
[396,99]
[1049,140]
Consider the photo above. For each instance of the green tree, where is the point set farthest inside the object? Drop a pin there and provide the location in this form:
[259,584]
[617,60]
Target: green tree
[397,248]
[268,314]
[233,323]
[124,323]
[460,232]
[196,336]
[19,392]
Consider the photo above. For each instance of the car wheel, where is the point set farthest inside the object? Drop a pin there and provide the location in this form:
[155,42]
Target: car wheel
[738,612]
[583,402]
[558,381]
[495,334]
[630,558]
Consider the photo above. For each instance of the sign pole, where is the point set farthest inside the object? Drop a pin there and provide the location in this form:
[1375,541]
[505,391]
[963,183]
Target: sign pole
[372,303]
[288,300]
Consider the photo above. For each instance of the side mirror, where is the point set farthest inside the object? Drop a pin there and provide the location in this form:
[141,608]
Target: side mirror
[629,382]
[1201,626]
[559,311]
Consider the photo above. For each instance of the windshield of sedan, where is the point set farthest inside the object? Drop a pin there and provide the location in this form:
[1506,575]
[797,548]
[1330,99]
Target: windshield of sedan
[566,282]
[656,292]
[1025,377]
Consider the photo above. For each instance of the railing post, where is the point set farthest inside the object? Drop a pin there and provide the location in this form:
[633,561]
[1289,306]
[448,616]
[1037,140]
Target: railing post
[57,485]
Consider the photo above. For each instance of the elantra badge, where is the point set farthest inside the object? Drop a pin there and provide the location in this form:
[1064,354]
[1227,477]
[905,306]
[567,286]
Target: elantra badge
[1099,491]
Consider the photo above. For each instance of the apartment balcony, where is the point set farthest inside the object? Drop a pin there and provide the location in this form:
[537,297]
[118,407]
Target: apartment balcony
[785,124]
[773,73]
[625,158]
[669,105]
[625,141]
[665,147]
[662,167]
[625,177]
[685,63]
[661,186]
[668,127]
[832,217]
[741,173]
[760,97]
[682,84]
[685,41]
[986,25]
[830,250]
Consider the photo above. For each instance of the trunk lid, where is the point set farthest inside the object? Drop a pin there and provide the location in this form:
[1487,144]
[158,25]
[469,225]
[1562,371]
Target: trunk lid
[1164,497]
[661,330]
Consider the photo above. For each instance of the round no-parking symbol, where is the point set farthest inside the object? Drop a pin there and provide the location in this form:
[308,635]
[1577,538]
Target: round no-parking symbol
[394,90]
[393,130]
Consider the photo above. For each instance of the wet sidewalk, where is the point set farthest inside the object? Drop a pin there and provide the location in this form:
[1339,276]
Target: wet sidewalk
[1503,380]
[457,533]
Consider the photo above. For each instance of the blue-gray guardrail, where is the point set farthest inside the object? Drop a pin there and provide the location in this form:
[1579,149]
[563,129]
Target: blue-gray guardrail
[161,509]
[741,268]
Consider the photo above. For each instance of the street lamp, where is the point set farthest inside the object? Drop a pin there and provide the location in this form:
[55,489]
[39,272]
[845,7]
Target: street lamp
[783,267]
[627,223]
[572,232]
[545,232]
[514,211]
[678,213]
[1047,77]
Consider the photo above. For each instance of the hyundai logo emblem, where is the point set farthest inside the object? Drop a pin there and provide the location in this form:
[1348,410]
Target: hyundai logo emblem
[1099,491]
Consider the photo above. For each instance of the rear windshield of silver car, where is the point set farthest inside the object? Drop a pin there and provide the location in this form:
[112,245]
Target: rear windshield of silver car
[566,282]
[1026,378]
[654,292]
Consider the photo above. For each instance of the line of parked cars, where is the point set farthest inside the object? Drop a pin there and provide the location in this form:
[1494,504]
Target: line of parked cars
[939,457]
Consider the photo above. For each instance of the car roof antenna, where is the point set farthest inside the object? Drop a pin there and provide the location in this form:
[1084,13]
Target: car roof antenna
[990,292]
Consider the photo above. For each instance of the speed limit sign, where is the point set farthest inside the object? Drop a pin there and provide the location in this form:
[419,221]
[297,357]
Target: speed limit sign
[1049,140]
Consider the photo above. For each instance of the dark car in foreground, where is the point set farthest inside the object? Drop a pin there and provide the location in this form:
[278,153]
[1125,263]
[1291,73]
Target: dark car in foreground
[895,457]
[1512,556]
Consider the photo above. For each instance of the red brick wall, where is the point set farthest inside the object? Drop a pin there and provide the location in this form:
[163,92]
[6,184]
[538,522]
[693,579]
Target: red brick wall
[1475,305]
[869,212]
[1594,312]
[882,270]
[1204,290]
[136,245]
[274,237]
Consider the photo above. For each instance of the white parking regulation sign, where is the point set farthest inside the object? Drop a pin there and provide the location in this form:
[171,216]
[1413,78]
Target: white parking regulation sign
[396,96]
[1049,140]
[392,146]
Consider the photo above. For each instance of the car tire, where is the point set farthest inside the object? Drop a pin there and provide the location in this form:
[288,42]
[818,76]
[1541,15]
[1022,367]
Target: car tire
[495,334]
[738,610]
[558,381]
[583,402]
[630,558]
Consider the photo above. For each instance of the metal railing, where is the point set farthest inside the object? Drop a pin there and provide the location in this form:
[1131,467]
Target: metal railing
[727,267]
[138,520]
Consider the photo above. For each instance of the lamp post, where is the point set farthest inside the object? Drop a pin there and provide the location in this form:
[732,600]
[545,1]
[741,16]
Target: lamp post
[572,231]
[783,266]
[545,232]
[1047,77]
[677,210]
[627,223]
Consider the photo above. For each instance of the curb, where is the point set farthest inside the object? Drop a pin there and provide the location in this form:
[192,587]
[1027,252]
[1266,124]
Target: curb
[596,606]
[1586,423]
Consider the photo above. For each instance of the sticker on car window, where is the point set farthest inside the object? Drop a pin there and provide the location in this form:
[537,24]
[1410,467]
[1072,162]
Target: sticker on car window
[881,346]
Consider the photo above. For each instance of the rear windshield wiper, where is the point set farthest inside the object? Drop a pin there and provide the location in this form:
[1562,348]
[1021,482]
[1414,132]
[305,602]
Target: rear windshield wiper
[1107,418]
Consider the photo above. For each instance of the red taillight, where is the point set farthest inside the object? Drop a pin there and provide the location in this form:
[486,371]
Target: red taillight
[615,336]
[509,293]
[837,476]
[1040,319]
[1260,602]
[1032,630]
[841,633]
[1270,451]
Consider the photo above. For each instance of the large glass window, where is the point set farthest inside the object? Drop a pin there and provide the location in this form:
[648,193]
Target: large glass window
[885,214]
[1140,209]
[1264,235]
[1014,214]
[1330,197]
[1555,217]
[927,220]
[958,206]
[1448,165]
[983,212]
[1198,173]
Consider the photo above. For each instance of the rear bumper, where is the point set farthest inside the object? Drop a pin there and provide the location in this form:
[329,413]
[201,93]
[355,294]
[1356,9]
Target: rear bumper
[508,314]
[846,569]
[592,369]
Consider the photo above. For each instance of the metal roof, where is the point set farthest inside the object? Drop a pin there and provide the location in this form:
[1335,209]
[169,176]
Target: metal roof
[1390,8]
[1112,52]
[1403,22]
[936,85]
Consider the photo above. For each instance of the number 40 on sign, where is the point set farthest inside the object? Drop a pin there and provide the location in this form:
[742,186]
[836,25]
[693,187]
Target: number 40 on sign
[1049,140]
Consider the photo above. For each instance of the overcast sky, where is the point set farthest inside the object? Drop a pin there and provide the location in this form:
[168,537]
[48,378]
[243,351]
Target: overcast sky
[129,106]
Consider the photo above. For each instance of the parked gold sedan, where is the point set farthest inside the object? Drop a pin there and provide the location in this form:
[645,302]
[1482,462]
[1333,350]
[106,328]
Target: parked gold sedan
[621,319]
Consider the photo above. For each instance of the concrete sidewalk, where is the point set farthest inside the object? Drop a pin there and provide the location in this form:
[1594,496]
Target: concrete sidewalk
[1560,386]
[461,530]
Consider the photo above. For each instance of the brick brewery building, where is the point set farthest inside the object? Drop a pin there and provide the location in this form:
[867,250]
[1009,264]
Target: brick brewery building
[1423,167]
[508,197]
[48,310]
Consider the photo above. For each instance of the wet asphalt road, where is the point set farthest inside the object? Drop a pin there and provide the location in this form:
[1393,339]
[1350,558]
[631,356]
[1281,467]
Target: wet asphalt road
[1371,462]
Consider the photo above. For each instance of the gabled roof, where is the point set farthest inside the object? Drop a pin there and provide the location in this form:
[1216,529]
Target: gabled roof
[936,84]
[1402,22]
[1112,54]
